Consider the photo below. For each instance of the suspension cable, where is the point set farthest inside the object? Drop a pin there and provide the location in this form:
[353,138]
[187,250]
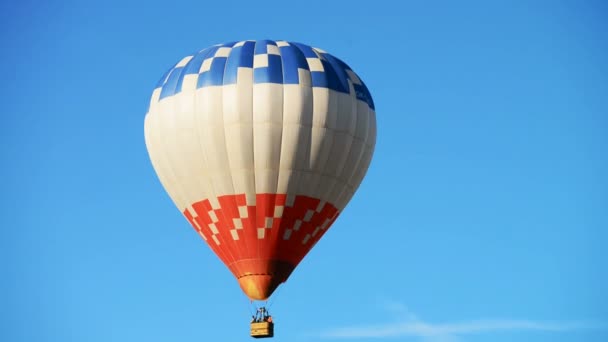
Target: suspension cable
[273,299]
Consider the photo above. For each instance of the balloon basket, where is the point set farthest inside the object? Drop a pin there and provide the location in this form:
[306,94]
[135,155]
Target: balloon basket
[262,329]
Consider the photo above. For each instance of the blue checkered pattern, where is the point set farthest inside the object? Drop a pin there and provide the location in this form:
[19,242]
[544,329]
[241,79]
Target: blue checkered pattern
[278,62]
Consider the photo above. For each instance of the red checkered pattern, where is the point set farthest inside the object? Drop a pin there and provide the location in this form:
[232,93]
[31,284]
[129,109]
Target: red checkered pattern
[248,237]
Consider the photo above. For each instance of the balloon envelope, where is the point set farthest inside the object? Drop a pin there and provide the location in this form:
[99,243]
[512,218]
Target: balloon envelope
[260,144]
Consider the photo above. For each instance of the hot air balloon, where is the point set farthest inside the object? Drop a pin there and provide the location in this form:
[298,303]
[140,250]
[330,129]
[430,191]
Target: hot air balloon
[260,144]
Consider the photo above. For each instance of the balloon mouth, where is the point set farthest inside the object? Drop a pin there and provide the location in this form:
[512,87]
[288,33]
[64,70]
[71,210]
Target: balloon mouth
[259,287]
[262,277]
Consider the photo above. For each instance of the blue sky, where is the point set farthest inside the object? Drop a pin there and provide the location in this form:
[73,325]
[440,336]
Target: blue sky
[483,215]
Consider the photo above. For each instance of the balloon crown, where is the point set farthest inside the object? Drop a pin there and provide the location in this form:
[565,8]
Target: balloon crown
[279,62]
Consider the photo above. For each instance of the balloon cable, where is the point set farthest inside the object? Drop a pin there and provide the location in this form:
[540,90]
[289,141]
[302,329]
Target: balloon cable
[252,308]
[273,299]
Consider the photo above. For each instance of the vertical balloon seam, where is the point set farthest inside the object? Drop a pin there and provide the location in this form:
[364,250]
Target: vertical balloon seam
[280,149]
[287,190]
[234,266]
[322,197]
[230,244]
[262,201]
[210,194]
[372,144]
[336,65]
[254,196]
[337,132]
[169,126]
[196,164]
[306,120]
[223,213]
[362,163]
[157,158]
[208,191]
[254,249]
[277,234]
[273,235]
[163,78]
[293,186]
[353,155]
[310,168]
[306,127]
[170,83]
[329,139]
[203,155]
[369,138]
[343,171]
[299,49]
[322,135]
[254,219]
[317,175]
[347,174]
[368,152]
[279,169]
[197,155]
[166,159]
[166,164]
[237,91]
[211,191]
[175,145]
[267,193]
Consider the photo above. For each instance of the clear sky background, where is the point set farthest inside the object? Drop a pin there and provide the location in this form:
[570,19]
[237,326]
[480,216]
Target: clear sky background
[484,215]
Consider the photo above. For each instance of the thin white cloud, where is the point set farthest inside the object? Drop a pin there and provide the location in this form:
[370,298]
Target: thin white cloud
[411,326]
[423,329]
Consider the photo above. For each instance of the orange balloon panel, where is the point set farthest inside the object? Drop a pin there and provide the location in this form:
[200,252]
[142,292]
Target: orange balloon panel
[261,243]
